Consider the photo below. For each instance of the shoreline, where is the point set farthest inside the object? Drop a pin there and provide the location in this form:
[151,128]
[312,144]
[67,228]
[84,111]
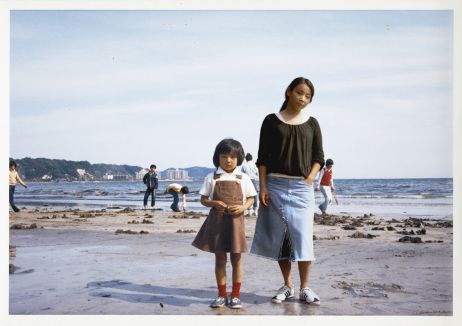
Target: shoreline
[77,262]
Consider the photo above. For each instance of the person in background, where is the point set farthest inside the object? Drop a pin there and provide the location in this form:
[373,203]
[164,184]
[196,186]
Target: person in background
[228,192]
[249,168]
[325,183]
[13,179]
[174,189]
[151,180]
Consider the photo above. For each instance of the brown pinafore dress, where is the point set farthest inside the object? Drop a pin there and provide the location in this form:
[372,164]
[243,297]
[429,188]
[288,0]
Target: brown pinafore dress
[222,232]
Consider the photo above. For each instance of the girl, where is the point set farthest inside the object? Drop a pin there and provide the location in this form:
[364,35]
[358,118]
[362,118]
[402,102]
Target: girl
[290,155]
[228,192]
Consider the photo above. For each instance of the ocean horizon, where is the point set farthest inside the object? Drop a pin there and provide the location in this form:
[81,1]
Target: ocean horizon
[419,197]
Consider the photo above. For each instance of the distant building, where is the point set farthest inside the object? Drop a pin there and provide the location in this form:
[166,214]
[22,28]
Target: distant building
[176,174]
[139,175]
[117,177]
[108,177]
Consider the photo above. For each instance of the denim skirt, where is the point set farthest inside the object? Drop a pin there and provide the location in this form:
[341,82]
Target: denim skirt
[284,228]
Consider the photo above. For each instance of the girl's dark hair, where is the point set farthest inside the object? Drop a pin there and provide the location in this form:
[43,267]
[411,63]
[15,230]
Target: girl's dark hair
[248,157]
[13,163]
[294,84]
[227,146]
[184,190]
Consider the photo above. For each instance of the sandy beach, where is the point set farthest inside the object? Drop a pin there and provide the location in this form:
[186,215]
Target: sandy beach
[141,262]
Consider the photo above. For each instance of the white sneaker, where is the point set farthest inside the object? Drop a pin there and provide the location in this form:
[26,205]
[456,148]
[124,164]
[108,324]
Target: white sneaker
[309,296]
[283,294]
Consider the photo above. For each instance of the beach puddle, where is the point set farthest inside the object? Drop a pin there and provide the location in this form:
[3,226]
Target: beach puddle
[368,290]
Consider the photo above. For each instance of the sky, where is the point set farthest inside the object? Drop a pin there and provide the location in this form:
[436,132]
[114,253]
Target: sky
[164,87]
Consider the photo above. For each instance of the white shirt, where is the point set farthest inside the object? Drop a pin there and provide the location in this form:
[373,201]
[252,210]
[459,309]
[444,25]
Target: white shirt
[248,190]
[250,169]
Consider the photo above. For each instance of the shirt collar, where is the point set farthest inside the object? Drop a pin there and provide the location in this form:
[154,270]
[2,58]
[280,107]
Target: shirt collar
[235,172]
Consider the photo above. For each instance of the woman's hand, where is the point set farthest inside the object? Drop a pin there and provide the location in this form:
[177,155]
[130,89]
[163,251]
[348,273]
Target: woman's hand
[236,209]
[263,195]
[309,181]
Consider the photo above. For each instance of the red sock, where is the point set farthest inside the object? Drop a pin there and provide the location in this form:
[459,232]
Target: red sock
[222,290]
[236,290]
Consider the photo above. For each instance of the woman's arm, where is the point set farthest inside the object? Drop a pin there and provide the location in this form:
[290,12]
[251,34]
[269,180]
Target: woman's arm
[263,195]
[314,170]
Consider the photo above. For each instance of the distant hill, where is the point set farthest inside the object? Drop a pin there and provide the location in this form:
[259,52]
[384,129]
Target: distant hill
[34,169]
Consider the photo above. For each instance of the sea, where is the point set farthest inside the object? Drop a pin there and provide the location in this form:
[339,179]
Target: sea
[384,198]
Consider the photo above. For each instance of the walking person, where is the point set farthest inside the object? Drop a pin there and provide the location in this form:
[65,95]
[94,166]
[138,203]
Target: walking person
[325,183]
[175,189]
[228,192]
[13,179]
[249,168]
[290,154]
[151,180]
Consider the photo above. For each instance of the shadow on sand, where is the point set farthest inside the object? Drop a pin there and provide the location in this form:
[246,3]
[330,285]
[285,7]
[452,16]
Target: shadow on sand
[147,293]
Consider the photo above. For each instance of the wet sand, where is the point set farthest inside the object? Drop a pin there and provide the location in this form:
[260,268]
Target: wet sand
[99,262]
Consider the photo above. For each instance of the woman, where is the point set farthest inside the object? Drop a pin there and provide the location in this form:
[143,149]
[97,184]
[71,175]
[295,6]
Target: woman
[290,155]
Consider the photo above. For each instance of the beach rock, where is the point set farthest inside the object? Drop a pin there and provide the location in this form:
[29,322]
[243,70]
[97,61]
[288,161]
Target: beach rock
[126,210]
[12,269]
[133,222]
[410,239]
[421,231]
[406,232]
[120,231]
[358,235]
[349,227]
[145,221]
[186,231]
[144,232]
[12,251]
[377,228]
[24,227]
[390,228]
[443,224]
[434,241]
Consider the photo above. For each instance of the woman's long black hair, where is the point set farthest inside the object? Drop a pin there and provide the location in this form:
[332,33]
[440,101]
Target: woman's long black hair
[294,84]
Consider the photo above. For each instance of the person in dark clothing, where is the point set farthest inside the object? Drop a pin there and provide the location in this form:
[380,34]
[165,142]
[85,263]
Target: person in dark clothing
[151,180]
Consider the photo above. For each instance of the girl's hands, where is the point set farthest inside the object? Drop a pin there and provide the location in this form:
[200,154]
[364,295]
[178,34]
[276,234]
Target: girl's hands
[236,209]
[263,195]
[220,206]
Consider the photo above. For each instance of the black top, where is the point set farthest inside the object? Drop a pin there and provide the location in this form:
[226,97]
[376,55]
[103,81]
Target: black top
[151,180]
[290,149]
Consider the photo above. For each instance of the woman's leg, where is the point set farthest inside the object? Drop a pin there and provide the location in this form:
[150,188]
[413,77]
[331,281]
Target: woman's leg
[285,266]
[304,271]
